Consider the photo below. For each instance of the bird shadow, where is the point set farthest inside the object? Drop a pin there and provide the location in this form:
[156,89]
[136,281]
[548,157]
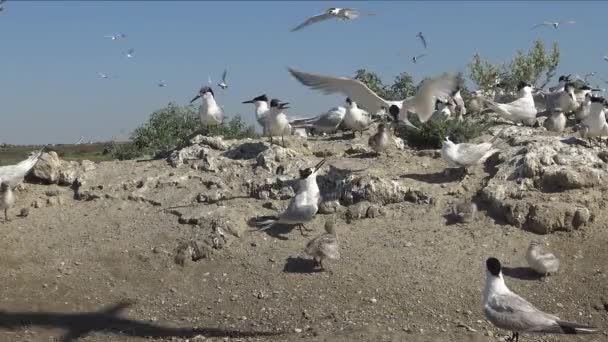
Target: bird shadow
[300,265]
[522,273]
[365,155]
[435,178]
[277,231]
[248,150]
[109,320]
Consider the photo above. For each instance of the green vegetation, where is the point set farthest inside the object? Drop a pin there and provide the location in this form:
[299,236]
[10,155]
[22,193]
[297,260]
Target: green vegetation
[10,154]
[432,133]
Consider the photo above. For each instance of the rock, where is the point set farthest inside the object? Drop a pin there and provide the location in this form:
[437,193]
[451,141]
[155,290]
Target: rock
[210,197]
[270,158]
[435,154]
[207,164]
[355,149]
[52,201]
[193,152]
[52,193]
[25,212]
[323,154]
[52,170]
[363,210]
[215,143]
[377,190]
[329,207]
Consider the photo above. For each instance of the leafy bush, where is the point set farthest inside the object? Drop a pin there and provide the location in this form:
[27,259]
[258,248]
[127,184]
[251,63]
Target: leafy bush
[125,151]
[432,133]
[528,67]
[402,87]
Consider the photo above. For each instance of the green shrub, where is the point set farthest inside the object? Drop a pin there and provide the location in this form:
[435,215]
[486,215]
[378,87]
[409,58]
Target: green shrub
[124,151]
[432,133]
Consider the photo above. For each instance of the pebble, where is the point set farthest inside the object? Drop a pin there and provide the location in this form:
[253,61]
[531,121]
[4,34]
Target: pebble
[297,330]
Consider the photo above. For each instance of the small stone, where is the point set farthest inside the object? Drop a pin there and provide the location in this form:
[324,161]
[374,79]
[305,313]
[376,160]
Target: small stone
[297,330]
[25,212]
[373,300]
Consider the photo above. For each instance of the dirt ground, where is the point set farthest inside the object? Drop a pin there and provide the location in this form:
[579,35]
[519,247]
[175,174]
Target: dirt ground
[104,270]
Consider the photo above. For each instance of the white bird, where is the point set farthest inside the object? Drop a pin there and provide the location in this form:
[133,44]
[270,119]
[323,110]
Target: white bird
[355,118]
[566,100]
[508,311]
[276,122]
[584,109]
[555,24]
[116,36]
[415,59]
[162,83]
[2,5]
[521,110]
[422,39]
[442,111]
[262,107]
[423,103]
[13,174]
[7,198]
[461,109]
[324,246]
[563,79]
[465,154]
[606,58]
[324,123]
[130,53]
[210,112]
[556,122]
[103,75]
[475,104]
[594,125]
[223,84]
[379,142]
[541,262]
[303,207]
[343,14]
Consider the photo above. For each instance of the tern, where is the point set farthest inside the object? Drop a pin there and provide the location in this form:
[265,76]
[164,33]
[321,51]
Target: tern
[103,75]
[606,58]
[584,109]
[461,109]
[2,5]
[555,24]
[130,53]
[422,39]
[210,112]
[556,122]
[223,84]
[541,262]
[7,198]
[356,119]
[423,103]
[303,207]
[464,155]
[521,110]
[507,310]
[13,174]
[162,84]
[276,123]
[262,107]
[324,246]
[475,104]
[324,123]
[116,36]
[415,59]
[379,142]
[343,14]
[594,125]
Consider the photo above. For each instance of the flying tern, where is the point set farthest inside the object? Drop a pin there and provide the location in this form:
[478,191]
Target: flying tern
[223,84]
[162,84]
[540,261]
[303,207]
[116,36]
[130,53]
[13,174]
[422,39]
[343,14]
[507,310]
[555,24]
[324,246]
[422,104]
[211,114]
[415,59]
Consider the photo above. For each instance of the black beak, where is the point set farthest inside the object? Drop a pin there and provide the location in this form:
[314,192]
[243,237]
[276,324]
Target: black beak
[318,166]
[196,98]
[283,105]
[250,101]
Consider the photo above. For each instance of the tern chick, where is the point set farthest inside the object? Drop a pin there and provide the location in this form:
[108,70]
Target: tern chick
[379,142]
[7,198]
[543,263]
[556,122]
[507,310]
[324,246]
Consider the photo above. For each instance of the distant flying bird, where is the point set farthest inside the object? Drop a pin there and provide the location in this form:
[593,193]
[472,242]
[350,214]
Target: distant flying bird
[223,84]
[422,39]
[606,58]
[343,14]
[116,36]
[417,58]
[102,75]
[209,81]
[162,84]
[555,24]
[2,3]
[130,53]
[591,74]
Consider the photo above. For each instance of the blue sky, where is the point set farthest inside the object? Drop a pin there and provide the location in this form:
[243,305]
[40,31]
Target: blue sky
[51,52]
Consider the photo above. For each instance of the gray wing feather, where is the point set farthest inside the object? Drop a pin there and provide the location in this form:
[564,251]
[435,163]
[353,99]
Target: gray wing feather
[13,174]
[514,313]
[469,154]
[312,20]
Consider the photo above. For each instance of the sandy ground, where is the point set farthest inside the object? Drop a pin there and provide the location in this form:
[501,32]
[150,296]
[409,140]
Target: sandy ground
[104,270]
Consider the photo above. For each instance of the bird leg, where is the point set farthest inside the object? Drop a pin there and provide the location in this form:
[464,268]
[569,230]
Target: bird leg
[283,140]
[6,215]
[271,142]
[321,264]
[315,262]
[515,337]
[301,227]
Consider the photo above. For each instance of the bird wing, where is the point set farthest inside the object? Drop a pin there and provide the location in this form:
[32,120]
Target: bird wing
[13,174]
[515,313]
[423,40]
[224,76]
[350,13]
[2,1]
[209,80]
[423,103]
[354,89]
[420,56]
[469,154]
[546,23]
[567,22]
[314,19]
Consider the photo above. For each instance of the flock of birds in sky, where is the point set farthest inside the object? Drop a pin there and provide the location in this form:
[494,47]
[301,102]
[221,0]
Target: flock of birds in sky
[436,98]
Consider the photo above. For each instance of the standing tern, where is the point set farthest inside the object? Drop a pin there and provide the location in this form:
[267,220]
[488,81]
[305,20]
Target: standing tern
[356,118]
[210,112]
[422,104]
[461,109]
[324,246]
[584,109]
[521,110]
[324,123]
[262,107]
[422,39]
[277,124]
[303,207]
[343,14]
[7,198]
[555,24]
[223,84]
[507,310]
[541,262]
[594,125]
[13,174]
[556,122]
[464,155]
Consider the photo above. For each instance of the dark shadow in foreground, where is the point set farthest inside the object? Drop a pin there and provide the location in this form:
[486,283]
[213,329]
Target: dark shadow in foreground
[300,265]
[523,273]
[107,320]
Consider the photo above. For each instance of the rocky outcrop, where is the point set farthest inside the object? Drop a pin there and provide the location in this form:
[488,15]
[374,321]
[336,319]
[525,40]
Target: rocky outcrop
[51,170]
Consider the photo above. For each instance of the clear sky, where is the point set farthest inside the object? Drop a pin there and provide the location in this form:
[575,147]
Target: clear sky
[51,51]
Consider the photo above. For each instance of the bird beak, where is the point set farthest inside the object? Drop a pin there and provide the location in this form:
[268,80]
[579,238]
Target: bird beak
[250,101]
[196,98]
[318,166]
[284,105]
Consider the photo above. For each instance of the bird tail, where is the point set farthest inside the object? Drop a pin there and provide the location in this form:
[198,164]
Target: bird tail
[265,222]
[576,328]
